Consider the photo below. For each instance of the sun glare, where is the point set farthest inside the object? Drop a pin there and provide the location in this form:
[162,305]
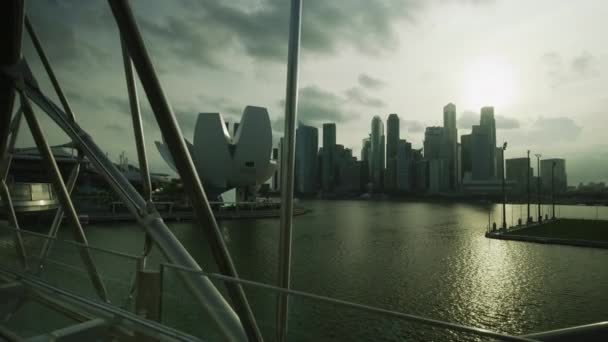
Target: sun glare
[488,83]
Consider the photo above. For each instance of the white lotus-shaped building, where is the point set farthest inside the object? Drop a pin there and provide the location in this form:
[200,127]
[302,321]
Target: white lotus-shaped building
[224,162]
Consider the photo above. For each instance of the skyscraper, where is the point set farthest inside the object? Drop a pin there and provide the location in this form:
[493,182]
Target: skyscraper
[451,137]
[366,149]
[392,142]
[436,152]
[307,145]
[487,122]
[561,178]
[517,171]
[377,153]
[482,153]
[466,150]
[329,148]
[404,166]
[434,143]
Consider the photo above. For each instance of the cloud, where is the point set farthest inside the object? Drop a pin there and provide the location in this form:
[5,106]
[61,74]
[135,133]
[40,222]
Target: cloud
[65,30]
[412,126]
[317,106]
[554,130]
[468,118]
[369,82]
[200,30]
[358,96]
[580,68]
[583,64]
[503,122]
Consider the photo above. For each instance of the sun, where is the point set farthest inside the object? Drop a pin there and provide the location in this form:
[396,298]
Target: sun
[488,82]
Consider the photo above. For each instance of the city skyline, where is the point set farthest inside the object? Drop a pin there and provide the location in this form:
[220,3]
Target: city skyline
[444,165]
[541,65]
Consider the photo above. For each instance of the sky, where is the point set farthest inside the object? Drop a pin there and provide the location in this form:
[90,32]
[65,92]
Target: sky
[542,64]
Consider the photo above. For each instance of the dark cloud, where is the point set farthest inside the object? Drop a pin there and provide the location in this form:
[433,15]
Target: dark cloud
[583,64]
[69,32]
[412,126]
[554,130]
[559,72]
[468,118]
[358,96]
[200,30]
[503,122]
[369,82]
[176,36]
[316,106]
[223,105]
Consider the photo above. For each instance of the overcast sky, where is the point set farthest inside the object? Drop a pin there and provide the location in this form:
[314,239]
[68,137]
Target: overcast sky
[543,64]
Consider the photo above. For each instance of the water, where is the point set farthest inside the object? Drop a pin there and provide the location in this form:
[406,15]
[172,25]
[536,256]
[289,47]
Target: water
[429,259]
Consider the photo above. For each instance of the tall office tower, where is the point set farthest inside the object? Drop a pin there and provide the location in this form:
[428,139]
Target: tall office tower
[466,161]
[329,148]
[487,121]
[451,136]
[436,153]
[366,149]
[482,156]
[377,151]
[392,142]
[382,160]
[434,143]
[500,163]
[404,166]
[559,174]
[307,145]
[517,171]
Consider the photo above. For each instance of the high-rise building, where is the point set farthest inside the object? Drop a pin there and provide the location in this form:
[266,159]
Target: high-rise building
[404,166]
[329,147]
[392,142]
[436,152]
[438,181]
[500,164]
[487,121]
[348,170]
[451,136]
[307,145]
[517,171]
[377,153]
[366,149]
[560,175]
[466,150]
[434,143]
[482,156]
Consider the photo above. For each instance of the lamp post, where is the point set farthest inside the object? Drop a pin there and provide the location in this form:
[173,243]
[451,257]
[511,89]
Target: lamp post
[553,189]
[529,218]
[504,194]
[538,155]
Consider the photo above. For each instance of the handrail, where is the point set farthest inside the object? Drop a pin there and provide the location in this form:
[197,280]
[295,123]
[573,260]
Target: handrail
[363,307]
[588,332]
[75,243]
[114,312]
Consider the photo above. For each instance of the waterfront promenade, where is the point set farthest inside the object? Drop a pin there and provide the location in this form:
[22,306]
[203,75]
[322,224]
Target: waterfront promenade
[570,232]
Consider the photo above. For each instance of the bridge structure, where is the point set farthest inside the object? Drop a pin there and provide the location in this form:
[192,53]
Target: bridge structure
[136,312]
